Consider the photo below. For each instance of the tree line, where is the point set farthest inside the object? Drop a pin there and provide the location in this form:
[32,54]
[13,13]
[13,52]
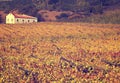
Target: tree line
[31,7]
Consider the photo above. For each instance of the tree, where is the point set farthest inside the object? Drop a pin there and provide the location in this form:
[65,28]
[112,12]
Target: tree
[32,6]
[29,9]
[1,19]
[110,2]
[96,6]
[41,4]
[39,17]
[82,6]
[67,5]
[53,1]
[4,6]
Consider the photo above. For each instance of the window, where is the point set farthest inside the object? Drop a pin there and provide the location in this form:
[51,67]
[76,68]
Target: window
[23,21]
[28,20]
[8,20]
[11,19]
[17,20]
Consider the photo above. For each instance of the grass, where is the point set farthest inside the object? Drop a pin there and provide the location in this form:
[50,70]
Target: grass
[59,53]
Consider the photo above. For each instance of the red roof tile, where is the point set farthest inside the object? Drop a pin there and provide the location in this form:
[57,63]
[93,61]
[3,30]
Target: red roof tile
[23,16]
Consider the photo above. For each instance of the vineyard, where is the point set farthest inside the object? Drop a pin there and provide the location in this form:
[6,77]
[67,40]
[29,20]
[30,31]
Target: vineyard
[60,53]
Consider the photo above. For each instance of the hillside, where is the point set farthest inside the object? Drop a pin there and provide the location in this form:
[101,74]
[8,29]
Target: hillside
[81,9]
[109,16]
[59,53]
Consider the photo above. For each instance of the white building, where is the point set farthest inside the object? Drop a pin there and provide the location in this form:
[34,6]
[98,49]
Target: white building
[13,18]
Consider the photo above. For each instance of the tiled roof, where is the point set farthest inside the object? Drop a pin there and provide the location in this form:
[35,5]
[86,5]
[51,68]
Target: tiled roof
[23,16]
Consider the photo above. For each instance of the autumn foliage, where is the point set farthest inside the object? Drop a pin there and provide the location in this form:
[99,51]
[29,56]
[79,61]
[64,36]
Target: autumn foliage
[59,53]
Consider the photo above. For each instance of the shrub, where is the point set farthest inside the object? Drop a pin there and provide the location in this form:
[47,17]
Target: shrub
[62,15]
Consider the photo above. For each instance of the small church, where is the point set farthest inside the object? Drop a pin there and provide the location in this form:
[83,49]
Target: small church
[14,18]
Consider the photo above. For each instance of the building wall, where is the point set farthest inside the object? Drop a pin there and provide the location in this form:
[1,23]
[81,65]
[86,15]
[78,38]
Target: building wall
[24,20]
[10,19]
